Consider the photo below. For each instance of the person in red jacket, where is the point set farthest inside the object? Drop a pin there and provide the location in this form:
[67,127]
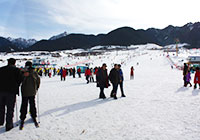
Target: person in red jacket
[132,73]
[64,73]
[79,72]
[87,74]
[95,71]
[197,78]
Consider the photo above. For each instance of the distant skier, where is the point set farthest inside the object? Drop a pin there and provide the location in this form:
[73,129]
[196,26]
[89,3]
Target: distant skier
[29,88]
[121,81]
[197,78]
[114,78]
[132,73]
[102,80]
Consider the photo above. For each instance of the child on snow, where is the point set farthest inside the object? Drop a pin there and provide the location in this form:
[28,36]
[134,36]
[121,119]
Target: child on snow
[197,78]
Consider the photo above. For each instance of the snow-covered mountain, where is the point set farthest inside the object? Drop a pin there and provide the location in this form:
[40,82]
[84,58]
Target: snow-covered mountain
[58,36]
[21,42]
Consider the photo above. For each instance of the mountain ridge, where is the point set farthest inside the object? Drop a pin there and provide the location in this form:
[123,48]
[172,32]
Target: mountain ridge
[123,36]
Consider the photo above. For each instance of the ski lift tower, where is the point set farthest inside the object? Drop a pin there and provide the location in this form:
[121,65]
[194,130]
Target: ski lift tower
[177,41]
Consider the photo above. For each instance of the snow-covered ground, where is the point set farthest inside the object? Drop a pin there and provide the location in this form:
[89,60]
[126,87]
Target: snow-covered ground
[157,105]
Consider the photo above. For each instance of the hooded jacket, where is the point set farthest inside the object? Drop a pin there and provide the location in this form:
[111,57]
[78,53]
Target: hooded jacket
[30,83]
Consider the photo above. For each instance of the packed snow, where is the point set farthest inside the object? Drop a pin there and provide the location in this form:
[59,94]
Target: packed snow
[157,106]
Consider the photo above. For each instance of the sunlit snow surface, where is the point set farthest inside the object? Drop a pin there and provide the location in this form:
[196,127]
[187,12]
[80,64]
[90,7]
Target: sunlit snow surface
[157,106]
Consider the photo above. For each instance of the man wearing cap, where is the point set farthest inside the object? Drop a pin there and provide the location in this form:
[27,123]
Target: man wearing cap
[102,80]
[29,89]
[10,80]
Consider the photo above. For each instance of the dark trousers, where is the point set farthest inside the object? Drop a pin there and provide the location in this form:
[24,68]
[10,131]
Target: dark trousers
[188,82]
[121,87]
[87,78]
[91,79]
[195,85]
[62,78]
[184,79]
[114,90]
[24,106]
[102,95]
[79,74]
[7,101]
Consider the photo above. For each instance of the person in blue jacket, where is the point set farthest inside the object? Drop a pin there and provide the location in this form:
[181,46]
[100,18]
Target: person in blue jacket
[121,80]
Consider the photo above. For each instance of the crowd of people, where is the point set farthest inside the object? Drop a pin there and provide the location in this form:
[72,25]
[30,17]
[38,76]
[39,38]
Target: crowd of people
[187,76]
[28,79]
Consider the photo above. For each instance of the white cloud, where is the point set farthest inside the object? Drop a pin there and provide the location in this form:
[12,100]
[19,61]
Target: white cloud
[104,15]
[44,18]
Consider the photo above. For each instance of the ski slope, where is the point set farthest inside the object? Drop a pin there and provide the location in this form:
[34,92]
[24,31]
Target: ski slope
[157,106]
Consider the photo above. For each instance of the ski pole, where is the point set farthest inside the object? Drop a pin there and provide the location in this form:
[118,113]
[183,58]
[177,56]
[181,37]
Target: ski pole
[38,107]
[16,113]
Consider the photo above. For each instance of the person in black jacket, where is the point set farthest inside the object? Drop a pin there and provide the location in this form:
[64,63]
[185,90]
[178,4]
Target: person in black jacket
[185,70]
[102,80]
[114,78]
[10,80]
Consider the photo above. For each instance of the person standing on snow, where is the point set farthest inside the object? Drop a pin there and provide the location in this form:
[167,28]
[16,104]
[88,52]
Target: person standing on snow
[114,78]
[61,73]
[10,80]
[87,74]
[102,80]
[121,81]
[54,71]
[73,72]
[79,72]
[197,78]
[64,74]
[132,73]
[95,71]
[50,72]
[29,88]
[185,70]
[92,75]
[188,78]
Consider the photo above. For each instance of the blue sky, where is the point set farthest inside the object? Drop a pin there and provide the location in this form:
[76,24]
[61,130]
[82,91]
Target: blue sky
[41,19]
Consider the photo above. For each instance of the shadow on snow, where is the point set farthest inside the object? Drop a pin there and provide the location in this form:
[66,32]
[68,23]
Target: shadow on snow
[76,107]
